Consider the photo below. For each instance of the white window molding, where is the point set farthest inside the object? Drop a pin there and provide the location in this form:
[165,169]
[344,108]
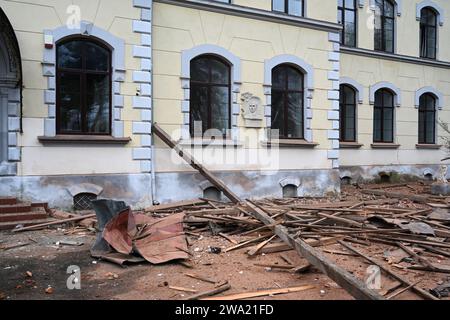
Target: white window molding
[431,4]
[386,85]
[359,89]
[437,95]
[235,63]
[308,73]
[398,6]
[51,38]
[294,181]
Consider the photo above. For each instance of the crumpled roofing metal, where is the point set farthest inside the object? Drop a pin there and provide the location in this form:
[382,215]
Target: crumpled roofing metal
[156,240]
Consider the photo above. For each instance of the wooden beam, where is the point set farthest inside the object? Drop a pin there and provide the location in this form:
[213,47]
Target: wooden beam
[262,293]
[415,198]
[53,223]
[195,164]
[342,277]
[175,205]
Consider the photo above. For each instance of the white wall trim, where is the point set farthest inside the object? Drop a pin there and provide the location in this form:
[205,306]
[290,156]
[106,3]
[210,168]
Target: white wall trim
[386,85]
[356,86]
[428,3]
[142,77]
[12,98]
[51,37]
[235,63]
[437,94]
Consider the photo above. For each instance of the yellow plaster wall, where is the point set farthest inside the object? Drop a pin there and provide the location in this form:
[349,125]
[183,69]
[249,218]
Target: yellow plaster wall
[29,20]
[408,78]
[253,41]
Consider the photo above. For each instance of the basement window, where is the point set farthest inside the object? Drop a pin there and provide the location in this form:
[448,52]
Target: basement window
[82,201]
[290,191]
[346,181]
[385,177]
[212,193]
[429,177]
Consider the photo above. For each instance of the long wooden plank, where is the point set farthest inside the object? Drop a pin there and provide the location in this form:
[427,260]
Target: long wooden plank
[342,277]
[53,223]
[262,293]
[175,205]
[195,164]
[415,198]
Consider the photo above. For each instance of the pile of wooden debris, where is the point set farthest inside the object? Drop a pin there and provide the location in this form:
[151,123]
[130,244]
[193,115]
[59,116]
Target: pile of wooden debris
[414,230]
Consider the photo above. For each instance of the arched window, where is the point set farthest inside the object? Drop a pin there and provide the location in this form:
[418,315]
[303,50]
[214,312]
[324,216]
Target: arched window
[210,95]
[384,25]
[347,17]
[287,102]
[428,33]
[427,119]
[292,7]
[347,108]
[383,116]
[83,87]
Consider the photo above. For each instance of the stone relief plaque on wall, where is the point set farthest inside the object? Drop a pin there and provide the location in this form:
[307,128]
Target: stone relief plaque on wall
[252,110]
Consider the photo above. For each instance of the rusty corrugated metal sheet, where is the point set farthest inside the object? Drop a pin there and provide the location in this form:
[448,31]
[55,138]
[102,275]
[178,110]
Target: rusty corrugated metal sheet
[162,240]
[156,240]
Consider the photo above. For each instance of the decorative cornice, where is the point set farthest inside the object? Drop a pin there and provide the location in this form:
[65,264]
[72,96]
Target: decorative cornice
[395,57]
[254,13]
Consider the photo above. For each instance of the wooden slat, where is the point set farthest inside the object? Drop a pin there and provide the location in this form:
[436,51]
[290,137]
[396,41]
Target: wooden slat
[175,205]
[343,278]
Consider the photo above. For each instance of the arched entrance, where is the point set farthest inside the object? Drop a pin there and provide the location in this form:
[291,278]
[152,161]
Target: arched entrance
[10,95]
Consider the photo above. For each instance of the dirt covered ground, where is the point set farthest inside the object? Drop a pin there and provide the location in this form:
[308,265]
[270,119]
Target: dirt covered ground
[28,272]
[38,270]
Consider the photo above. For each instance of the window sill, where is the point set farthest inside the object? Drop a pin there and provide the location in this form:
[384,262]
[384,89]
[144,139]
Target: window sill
[428,146]
[291,143]
[350,145]
[208,143]
[385,146]
[84,139]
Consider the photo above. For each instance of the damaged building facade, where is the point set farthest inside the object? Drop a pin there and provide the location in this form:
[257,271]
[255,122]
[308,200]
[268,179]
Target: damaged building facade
[297,95]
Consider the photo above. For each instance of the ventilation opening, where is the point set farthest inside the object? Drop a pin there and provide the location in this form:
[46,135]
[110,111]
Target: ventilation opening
[429,177]
[82,201]
[212,193]
[385,177]
[346,181]
[290,191]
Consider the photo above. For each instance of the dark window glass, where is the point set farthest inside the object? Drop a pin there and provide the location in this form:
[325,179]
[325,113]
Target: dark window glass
[384,25]
[427,119]
[292,7]
[210,94]
[347,109]
[428,33]
[83,87]
[287,102]
[383,120]
[347,17]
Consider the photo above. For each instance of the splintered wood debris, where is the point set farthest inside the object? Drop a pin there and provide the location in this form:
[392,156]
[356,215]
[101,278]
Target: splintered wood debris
[340,231]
